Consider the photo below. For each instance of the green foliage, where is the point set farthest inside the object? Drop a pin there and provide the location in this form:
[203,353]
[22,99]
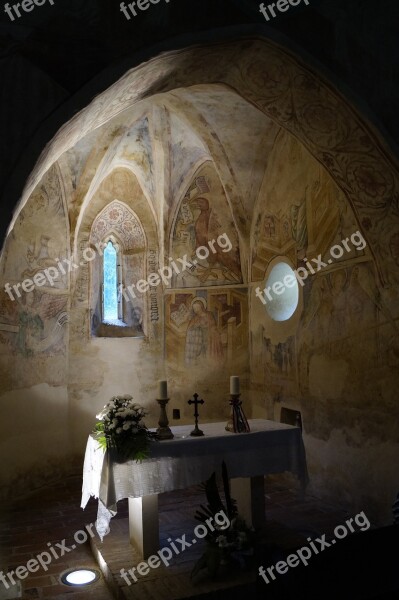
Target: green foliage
[215,503]
[231,546]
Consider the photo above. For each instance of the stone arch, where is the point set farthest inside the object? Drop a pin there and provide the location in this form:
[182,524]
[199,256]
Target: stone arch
[120,184]
[119,191]
[124,224]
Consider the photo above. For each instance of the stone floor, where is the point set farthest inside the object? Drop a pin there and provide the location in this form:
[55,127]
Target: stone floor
[30,526]
[290,521]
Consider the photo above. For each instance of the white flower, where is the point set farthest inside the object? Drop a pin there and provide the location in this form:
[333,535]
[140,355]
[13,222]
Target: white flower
[121,414]
[101,415]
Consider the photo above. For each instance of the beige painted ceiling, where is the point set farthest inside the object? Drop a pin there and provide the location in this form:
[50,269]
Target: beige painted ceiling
[164,139]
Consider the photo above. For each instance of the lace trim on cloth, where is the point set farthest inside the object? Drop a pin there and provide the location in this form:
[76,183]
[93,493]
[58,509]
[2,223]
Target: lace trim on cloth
[104,516]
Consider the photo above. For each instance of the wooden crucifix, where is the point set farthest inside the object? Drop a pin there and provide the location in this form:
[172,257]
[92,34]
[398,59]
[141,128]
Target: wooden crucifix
[196,432]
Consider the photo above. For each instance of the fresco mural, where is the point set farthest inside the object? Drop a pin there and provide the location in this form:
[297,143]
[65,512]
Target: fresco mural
[203,216]
[340,308]
[274,367]
[33,247]
[9,327]
[119,219]
[328,359]
[205,329]
[41,321]
[300,225]
[336,359]
[34,325]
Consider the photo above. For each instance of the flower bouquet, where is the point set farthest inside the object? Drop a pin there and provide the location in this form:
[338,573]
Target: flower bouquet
[121,430]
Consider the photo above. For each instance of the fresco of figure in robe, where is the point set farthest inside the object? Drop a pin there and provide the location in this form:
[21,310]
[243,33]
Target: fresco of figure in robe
[203,341]
[204,216]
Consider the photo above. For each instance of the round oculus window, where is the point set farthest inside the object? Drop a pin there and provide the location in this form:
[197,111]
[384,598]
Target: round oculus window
[281,292]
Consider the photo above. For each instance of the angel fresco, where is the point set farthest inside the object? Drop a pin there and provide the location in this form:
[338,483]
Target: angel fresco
[198,224]
[41,321]
[208,228]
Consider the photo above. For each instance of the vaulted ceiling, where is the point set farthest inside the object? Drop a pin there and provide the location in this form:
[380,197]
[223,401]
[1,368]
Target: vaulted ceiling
[61,56]
[163,140]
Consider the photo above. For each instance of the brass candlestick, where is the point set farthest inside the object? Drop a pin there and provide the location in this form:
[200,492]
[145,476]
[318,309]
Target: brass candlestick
[163,432]
[238,422]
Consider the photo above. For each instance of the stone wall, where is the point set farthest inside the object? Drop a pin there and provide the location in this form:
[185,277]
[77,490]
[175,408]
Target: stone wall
[267,155]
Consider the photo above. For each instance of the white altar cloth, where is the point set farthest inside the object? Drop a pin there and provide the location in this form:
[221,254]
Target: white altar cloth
[269,447]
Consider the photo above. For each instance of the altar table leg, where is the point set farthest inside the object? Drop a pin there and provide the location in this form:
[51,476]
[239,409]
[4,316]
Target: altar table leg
[144,524]
[250,495]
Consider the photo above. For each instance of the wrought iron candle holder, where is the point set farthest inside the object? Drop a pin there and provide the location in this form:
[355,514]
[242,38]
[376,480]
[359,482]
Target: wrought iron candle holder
[238,422]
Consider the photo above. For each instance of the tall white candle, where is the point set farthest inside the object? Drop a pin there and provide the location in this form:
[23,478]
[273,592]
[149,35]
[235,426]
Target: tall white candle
[163,390]
[234,385]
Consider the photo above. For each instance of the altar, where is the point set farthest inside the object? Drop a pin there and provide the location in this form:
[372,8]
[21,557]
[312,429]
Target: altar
[183,461]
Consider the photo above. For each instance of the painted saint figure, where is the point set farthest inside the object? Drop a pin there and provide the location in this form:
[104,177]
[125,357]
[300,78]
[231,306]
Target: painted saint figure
[202,337]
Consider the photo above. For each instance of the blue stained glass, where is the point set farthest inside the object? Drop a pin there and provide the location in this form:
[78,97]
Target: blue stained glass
[110,283]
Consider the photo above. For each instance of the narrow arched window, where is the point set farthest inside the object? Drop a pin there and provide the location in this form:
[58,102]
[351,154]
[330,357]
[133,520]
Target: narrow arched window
[111,310]
[120,246]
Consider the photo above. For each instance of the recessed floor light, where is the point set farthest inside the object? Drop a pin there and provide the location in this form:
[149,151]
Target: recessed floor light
[80,577]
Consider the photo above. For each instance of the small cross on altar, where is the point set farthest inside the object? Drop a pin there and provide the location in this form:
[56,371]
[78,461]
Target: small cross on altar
[196,432]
